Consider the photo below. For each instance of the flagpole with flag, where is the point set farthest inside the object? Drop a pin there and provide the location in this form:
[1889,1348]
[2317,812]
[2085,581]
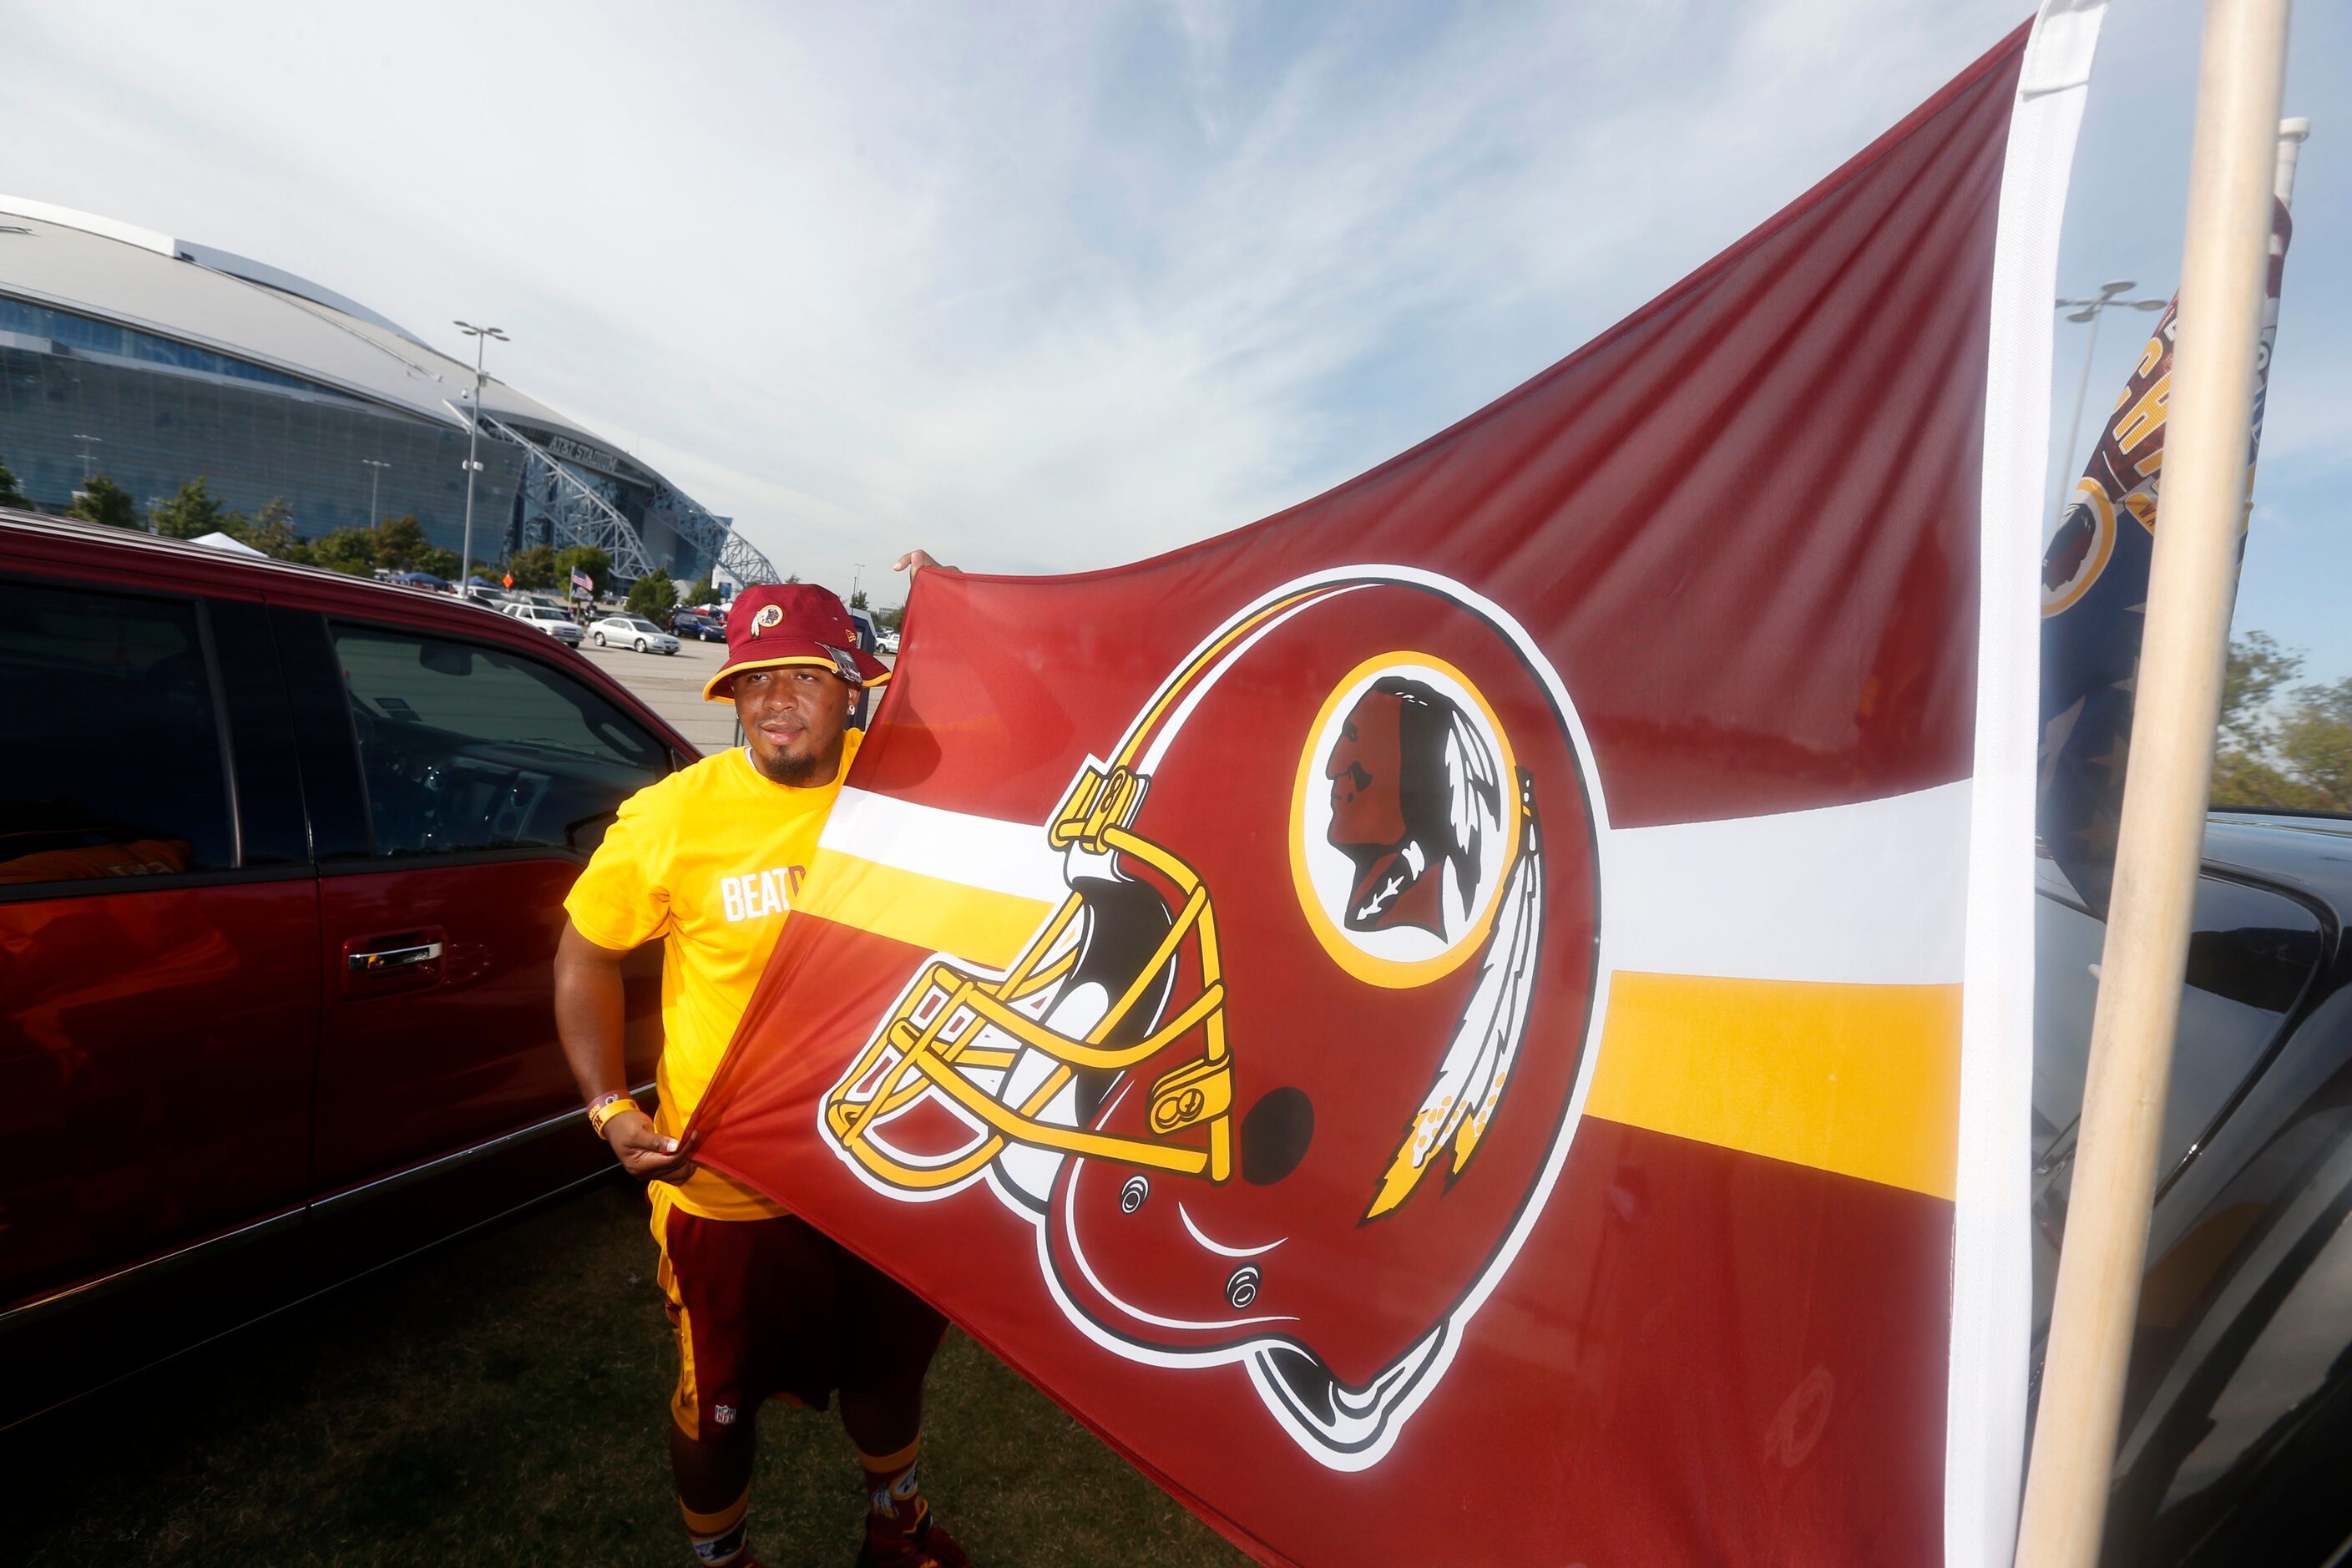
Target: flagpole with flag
[2224,271]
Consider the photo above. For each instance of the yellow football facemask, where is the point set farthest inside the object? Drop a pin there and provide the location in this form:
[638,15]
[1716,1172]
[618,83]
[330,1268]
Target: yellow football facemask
[938,1036]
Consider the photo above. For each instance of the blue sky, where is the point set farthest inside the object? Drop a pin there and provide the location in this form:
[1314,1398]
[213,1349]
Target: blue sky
[1048,288]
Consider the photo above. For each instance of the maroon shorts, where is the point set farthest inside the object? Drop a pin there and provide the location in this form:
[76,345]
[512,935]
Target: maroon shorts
[766,1307]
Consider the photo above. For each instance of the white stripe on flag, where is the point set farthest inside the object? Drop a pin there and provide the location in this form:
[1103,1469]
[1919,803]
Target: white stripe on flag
[1872,893]
[978,851]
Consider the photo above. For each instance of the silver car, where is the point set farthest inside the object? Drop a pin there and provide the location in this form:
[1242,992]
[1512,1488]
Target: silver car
[631,631]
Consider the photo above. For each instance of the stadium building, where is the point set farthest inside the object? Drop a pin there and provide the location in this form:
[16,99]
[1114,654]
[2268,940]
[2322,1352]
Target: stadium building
[155,360]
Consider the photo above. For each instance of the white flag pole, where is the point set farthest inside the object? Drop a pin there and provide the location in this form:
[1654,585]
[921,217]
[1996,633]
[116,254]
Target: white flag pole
[2192,582]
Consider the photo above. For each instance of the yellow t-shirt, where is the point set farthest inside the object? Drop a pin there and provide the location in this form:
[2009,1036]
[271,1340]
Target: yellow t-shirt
[708,859]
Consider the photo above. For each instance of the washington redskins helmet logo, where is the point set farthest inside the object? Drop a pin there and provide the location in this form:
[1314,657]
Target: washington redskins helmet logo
[1284,1079]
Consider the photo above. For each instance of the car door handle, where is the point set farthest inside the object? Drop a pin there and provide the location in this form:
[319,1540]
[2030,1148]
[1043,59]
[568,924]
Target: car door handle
[377,960]
[389,963]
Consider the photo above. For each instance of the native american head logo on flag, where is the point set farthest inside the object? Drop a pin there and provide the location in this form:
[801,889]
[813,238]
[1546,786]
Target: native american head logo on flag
[1305,1024]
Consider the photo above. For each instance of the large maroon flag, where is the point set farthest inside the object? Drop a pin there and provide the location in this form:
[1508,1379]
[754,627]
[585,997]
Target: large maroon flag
[1449,1024]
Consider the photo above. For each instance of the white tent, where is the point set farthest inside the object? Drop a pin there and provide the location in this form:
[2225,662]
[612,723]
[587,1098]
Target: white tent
[223,542]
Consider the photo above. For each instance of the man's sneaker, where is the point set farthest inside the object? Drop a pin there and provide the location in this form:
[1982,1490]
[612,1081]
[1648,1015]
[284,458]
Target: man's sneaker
[925,1545]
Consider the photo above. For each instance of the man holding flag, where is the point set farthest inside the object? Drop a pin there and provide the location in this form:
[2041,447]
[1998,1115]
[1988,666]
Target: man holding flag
[710,861]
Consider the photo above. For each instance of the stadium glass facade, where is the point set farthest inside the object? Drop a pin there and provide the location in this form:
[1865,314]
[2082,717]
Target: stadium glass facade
[152,423]
[155,360]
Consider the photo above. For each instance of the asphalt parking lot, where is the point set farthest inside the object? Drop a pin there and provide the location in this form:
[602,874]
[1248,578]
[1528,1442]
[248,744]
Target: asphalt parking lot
[671,684]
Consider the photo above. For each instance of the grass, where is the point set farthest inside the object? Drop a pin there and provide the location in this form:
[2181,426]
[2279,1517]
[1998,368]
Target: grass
[503,1400]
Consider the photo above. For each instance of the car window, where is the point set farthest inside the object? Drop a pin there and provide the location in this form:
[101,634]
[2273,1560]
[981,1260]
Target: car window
[2251,953]
[469,747]
[115,765]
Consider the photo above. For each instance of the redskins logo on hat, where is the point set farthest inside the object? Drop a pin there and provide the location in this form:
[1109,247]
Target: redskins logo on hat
[769,615]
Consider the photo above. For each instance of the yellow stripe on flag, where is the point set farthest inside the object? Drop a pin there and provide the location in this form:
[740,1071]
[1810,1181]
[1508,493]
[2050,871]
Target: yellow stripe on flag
[1860,1080]
[977,925]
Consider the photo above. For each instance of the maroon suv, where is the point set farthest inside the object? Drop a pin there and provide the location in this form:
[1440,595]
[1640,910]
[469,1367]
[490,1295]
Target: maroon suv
[282,863]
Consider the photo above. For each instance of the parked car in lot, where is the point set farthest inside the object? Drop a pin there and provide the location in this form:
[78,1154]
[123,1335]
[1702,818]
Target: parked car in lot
[886,642]
[549,619]
[691,624]
[282,858]
[2238,1407]
[631,631]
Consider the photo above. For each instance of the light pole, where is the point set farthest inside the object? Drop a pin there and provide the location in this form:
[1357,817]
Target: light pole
[2089,310]
[375,479]
[472,440]
[855,568]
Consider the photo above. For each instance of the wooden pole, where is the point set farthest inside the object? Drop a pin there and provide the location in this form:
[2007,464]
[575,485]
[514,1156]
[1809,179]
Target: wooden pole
[2192,583]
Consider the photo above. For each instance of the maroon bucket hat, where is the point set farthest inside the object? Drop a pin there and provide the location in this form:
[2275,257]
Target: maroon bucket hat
[792,623]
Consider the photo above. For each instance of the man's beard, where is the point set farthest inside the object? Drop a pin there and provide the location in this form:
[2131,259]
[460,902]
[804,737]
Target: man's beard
[796,774]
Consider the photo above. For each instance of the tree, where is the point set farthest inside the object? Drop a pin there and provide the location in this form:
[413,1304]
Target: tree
[586,558]
[348,550]
[2315,741]
[10,495]
[857,600]
[2243,774]
[698,592]
[2258,667]
[272,530]
[535,567]
[194,512]
[440,562]
[654,596]
[2243,779]
[2299,758]
[399,541]
[100,499]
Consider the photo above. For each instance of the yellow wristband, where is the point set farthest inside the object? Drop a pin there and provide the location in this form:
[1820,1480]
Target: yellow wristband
[605,1108]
